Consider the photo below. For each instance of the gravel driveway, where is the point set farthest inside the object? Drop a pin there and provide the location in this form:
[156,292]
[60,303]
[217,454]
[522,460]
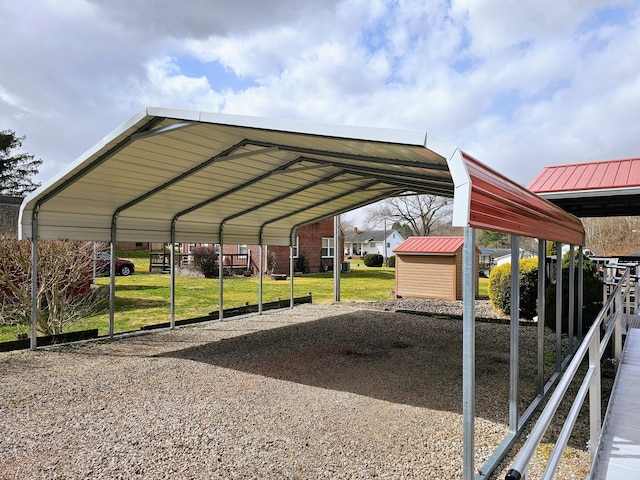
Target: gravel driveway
[317,392]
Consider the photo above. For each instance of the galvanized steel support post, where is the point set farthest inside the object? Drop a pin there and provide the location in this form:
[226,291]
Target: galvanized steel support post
[571,297]
[291,268]
[220,278]
[469,259]
[260,273]
[558,307]
[336,258]
[34,278]
[580,291]
[112,276]
[542,291]
[172,266]
[514,350]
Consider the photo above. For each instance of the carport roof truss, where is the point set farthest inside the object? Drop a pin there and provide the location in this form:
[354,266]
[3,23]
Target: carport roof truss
[218,178]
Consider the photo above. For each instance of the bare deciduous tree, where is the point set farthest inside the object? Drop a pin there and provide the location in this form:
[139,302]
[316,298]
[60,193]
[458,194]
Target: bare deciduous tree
[420,212]
[612,235]
[64,294]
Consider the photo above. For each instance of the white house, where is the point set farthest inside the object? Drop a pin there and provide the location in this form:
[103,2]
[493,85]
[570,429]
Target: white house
[359,244]
[523,254]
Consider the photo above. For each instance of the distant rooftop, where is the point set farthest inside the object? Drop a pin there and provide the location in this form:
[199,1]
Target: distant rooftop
[592,189]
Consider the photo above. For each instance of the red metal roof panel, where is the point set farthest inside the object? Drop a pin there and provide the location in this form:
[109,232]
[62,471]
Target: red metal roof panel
[501,205]
[431,245]
[588,176]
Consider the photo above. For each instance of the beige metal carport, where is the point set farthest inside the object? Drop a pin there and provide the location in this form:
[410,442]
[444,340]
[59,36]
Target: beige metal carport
[185,176]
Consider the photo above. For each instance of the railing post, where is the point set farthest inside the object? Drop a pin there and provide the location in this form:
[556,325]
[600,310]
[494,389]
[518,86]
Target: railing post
[595,414]
[617,331]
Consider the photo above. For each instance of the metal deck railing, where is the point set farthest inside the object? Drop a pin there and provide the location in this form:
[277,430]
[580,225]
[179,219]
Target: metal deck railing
[612,318]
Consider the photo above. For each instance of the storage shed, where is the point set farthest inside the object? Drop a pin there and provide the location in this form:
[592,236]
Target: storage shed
[430,267]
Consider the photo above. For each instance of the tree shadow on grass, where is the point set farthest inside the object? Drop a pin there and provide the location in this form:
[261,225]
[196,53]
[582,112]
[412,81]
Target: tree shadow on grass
[130,288]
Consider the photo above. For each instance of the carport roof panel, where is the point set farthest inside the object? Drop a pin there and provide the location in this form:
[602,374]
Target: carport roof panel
[224,178]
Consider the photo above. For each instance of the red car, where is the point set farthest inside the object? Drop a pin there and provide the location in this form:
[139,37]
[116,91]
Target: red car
[123,267]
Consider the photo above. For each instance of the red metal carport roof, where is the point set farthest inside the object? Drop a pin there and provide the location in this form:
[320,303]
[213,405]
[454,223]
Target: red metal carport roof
[593,189]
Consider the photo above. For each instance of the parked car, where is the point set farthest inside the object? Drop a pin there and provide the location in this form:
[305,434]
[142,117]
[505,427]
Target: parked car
[123,267]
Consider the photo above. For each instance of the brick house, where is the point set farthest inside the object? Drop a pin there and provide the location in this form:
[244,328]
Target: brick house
[315,242]
[9,212]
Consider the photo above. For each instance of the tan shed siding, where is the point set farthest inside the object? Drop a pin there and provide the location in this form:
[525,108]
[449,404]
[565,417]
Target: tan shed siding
[459,275]
[459,278]
[426,276]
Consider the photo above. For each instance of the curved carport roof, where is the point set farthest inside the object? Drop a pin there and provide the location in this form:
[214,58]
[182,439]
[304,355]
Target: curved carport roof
[219,178]
[170,175]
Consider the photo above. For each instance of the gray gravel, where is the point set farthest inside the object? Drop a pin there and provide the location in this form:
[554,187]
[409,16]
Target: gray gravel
[317,392]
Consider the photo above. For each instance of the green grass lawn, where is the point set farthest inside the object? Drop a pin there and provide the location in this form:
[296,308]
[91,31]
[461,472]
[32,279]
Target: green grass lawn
[143,298]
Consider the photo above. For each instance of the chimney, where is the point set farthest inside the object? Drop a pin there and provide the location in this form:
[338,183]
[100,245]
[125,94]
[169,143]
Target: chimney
[355,229]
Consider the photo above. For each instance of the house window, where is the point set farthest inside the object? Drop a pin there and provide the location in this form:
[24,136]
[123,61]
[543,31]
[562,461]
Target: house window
[242,249]
[327,247]
[372,245]
[388,244]
[295,247]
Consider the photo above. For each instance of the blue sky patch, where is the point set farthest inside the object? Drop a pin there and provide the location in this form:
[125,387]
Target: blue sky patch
[220,78]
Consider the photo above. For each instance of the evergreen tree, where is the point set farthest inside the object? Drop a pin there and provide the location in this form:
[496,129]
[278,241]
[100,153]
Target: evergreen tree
[17,169]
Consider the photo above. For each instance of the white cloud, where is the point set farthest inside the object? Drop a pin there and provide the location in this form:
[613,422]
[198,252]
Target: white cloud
[519,85]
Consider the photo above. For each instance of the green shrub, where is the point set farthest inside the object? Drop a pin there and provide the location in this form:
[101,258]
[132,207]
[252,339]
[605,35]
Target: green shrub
[206,260]
[373,260]
[391,261]
[592,296]
[500,288]
[302,264]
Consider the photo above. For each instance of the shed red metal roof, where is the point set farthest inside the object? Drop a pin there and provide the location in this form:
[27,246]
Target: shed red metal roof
[588,176]
[430,245]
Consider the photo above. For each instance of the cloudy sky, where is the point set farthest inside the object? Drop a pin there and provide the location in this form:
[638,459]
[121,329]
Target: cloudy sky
[517,84]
